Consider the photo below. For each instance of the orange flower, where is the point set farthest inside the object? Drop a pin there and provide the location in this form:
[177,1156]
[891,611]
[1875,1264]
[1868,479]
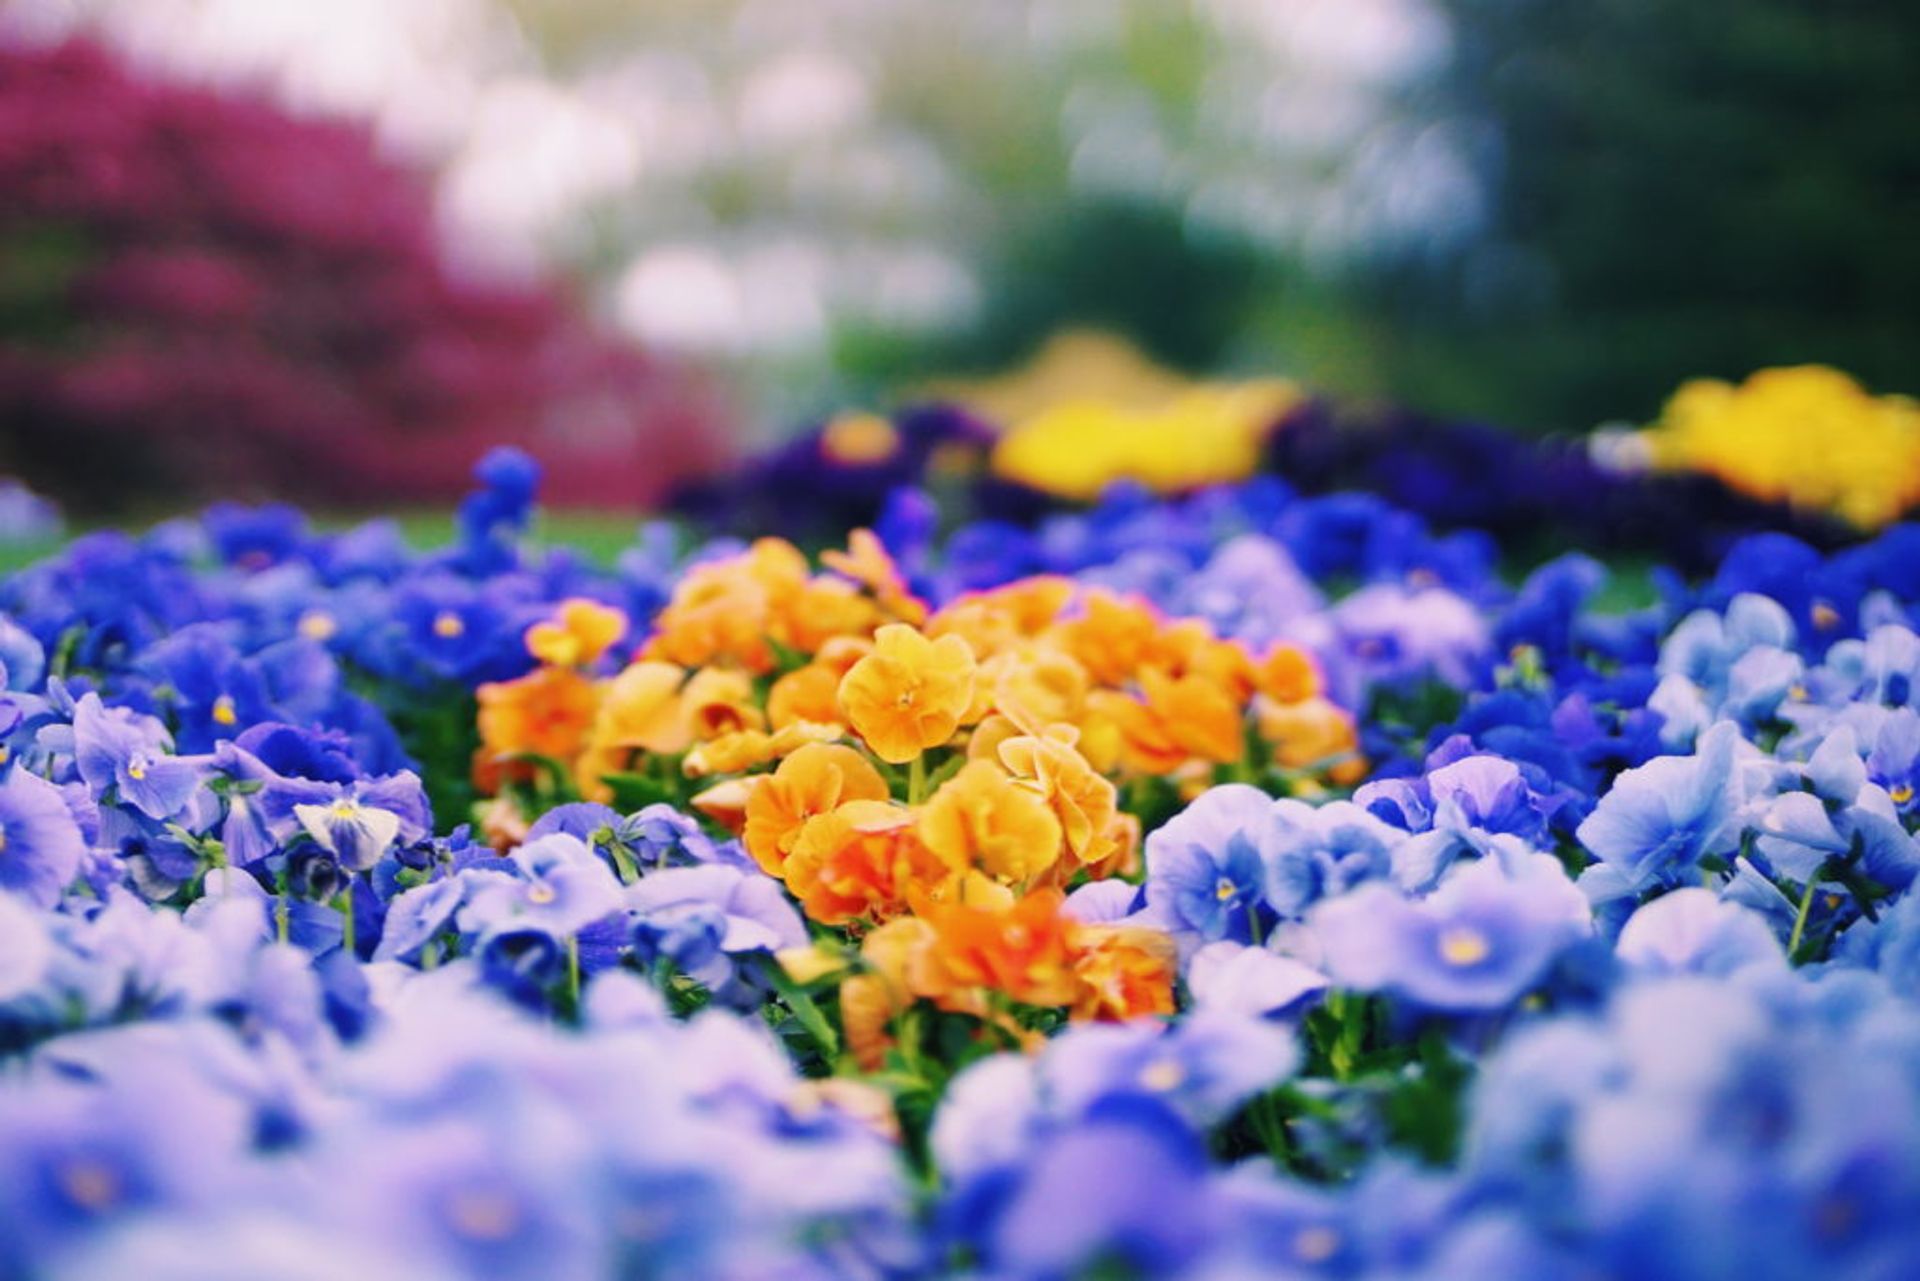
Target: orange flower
[1035,686]
[1124,973]
[1024,950]
[1312,734]
[910,694]
[810,693]
[1083,802]
[726,803]
[866,562]
[582,631]
[640,709]
[546,712]
[980,818]
[863,861]
[867,1011]
[815,780]
[742,750]
[1202,717]
[717,701]
[824,609]
[1289,675]
[720,612]
[1112,638]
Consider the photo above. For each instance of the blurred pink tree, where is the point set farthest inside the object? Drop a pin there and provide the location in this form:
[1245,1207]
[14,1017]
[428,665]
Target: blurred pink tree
[200,295]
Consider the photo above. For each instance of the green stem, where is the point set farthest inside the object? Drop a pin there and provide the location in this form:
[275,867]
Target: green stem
[917,780]
[280,917]
[1800,918]
[573,972]
[346,928]
[804,1010]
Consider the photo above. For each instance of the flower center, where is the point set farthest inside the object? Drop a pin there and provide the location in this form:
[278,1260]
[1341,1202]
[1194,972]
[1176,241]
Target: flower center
[137,766]
[89,1184]
[1900,793]
[318,625]
[1463,945]
[447,625]
[1162,1075]
[223,713]
[540,893]
[482,1214]
[1225,889]
[1315,1244]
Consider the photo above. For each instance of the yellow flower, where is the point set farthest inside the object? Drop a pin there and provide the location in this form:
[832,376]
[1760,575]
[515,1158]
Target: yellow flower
[814,780]
[1805,435]
[979,818]
[910,693]
[582,631]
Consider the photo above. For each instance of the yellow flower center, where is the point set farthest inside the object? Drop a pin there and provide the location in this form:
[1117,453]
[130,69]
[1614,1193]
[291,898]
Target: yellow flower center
[90,1184]
[1825,616]
[318,625]
[540,893]
[223,713]
[137,768]
[1315,1244]
[344,808]
[1162,1075]
[1463,945]
[1901,793]
[447,625]
[483,1214]
[1224,889]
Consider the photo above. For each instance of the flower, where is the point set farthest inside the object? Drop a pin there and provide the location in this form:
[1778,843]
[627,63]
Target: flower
[581,631]
[1807,435]
[1482,940]
[815,780]
[1659,819]
[910,693]
[40,844]
[981,819]
[1205,874]
[862,861]
[116,749]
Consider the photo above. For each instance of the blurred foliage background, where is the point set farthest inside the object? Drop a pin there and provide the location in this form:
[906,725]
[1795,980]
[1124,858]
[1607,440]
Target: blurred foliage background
[1542,214]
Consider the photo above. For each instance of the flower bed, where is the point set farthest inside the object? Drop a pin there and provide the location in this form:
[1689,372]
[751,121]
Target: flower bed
[1240,883]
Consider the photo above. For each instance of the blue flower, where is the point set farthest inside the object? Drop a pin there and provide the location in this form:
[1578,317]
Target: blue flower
[40,844]
[127,754]
[1205,875]
[1692,931]
[564,887]
[1311,852]
[703,918]
[1479,942]
[1203,1066]
[1659,820]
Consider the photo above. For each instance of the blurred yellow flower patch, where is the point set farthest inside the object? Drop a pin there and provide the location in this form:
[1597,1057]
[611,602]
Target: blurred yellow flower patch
[1805,435]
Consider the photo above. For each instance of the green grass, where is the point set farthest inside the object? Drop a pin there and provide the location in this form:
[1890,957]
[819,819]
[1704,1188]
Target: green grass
[600,536]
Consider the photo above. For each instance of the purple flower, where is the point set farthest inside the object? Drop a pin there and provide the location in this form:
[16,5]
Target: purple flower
[1204,871]
[40,844]
[565,889]
[128,753]
[1692,931]
[1660,819]
[1479,942]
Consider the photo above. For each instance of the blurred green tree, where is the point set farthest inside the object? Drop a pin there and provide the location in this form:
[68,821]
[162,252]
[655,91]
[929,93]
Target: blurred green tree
[1676,189]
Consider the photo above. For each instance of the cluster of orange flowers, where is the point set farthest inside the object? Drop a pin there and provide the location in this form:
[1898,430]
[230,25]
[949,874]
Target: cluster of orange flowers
[930,782]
